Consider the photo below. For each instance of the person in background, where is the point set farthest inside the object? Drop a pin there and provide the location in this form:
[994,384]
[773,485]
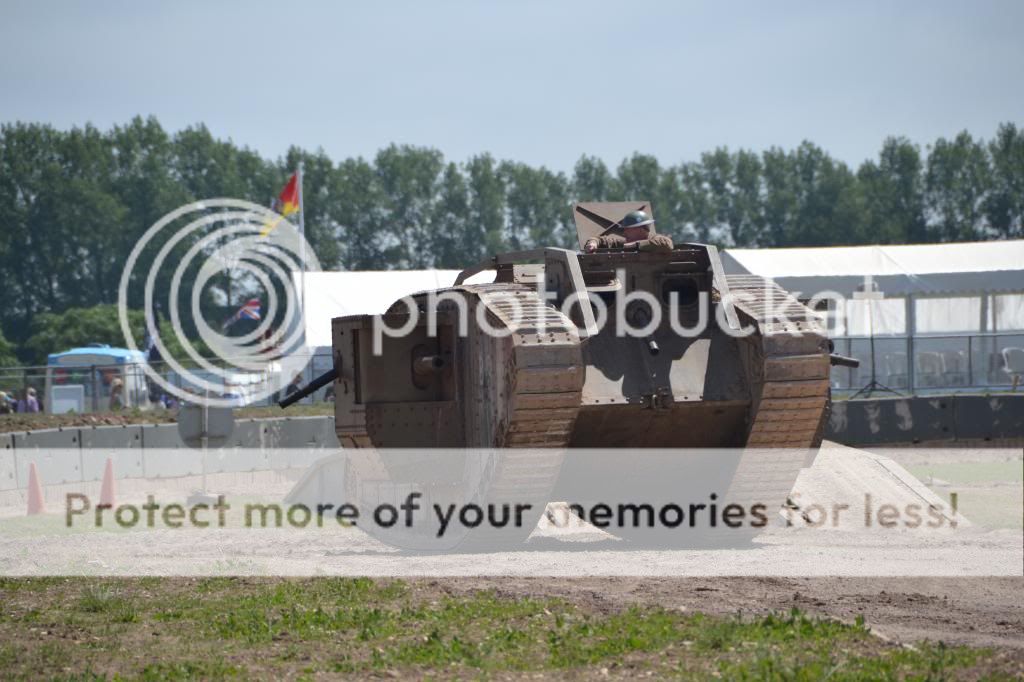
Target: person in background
[5,403]
[28,403]
[116,395]
[295,384]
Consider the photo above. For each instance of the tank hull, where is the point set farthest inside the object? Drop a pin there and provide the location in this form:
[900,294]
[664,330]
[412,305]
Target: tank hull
[504,368]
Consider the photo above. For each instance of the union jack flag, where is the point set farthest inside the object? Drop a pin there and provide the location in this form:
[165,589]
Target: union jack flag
[249,310]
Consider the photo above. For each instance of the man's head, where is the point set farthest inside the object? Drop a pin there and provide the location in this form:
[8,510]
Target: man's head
[636,226]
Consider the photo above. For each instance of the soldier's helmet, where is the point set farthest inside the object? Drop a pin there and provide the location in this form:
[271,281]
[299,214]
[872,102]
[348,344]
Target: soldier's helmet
[637,219]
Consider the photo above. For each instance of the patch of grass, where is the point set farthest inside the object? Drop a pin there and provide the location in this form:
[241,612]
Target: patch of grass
[106,600]
[33,585]
[275,412]
[227,627]
[190,670]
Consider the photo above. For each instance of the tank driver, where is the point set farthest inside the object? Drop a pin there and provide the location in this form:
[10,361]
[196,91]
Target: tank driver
[635,232]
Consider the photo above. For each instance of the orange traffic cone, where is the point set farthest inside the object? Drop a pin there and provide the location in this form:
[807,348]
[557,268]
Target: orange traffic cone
[35,492]
[107,490]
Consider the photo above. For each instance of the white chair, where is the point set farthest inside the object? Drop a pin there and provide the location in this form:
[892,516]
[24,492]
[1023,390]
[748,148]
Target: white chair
[929,368]
[1013,364]
[954,367]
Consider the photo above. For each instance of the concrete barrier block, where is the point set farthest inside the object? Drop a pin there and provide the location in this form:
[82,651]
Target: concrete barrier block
[112,437]
[127,463]
[271,433]
[55,452]
[891,420]
[988,417]
[330,435]
[302,432]
[55,465]
[245,451]
[933,418]
[122,443]
[47,438]
[161,436]
[247,434]
[8,472]
[233,460]
[172,462]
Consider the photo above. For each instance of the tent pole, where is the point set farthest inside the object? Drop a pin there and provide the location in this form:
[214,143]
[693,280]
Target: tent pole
[910,324]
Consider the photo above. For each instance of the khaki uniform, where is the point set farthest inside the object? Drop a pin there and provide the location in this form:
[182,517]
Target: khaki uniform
[656,242]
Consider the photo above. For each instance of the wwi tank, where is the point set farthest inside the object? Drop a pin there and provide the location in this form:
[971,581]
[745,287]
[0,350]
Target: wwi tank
[538,361]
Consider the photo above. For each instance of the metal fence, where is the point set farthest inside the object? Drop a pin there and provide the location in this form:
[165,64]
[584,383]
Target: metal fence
[933,362]
[94,388]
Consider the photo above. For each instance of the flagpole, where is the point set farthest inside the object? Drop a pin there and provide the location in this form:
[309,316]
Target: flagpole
[302,243]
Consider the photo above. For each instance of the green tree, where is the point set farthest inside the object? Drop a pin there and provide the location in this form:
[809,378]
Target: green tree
[695,210]
[591,180]
[780,203]
[78,327]
[449,224]
[356,207]
[957,181]
[1004,206]
[7,353]
[893,195]
[408,179]
[823,197]
[538,207]
[485,233]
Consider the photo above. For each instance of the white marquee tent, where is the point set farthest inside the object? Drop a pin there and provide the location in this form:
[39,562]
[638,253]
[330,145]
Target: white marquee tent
[365,292]
[932,316]
[926,288]
[943,313]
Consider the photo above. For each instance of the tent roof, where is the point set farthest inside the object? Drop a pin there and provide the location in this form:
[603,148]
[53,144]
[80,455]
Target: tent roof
[363,292]
[116,355]
[971,267]
[967,268]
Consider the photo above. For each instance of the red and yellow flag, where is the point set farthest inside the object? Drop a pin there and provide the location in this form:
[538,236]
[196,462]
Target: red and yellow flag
[288,200]
[286,203]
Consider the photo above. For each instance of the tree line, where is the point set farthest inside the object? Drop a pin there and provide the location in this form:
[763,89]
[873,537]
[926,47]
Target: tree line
[74,202]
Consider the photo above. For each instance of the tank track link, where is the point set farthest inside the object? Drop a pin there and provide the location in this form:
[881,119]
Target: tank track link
[790,396]
[533,377]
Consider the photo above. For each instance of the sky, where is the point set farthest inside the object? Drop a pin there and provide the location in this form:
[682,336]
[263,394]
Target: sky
[537,82]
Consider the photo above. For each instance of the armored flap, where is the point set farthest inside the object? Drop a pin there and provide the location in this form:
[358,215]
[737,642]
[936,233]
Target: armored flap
[595,218]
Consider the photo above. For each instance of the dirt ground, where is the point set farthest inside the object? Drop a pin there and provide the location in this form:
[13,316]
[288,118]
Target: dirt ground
[970,611]
[188,628]
[11,423]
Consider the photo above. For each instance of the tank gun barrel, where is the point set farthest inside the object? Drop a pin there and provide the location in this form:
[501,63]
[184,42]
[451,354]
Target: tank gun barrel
[316,384]
[843,361]
[428,364]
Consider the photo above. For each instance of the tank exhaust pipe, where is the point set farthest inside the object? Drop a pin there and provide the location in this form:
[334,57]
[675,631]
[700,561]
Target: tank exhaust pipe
[309,388]
[652,346]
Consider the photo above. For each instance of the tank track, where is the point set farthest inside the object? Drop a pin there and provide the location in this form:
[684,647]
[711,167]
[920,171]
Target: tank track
[790,396]
[533,377]
[537,403]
